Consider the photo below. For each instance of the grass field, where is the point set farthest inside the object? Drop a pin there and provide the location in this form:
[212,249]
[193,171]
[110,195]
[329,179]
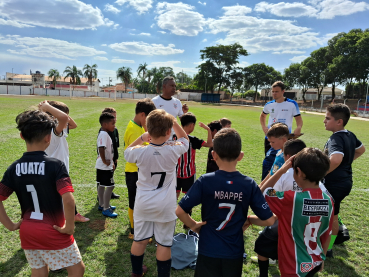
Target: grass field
[104,244]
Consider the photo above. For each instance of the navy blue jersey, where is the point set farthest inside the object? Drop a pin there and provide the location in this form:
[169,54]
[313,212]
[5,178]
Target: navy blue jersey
[225,198]
[268,162]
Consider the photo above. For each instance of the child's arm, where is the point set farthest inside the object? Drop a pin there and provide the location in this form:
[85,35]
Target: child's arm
[209,142]
[187,220]
[145,137]
[5,220]
[180,133]
[359,152]
[68,204]
[254,220]
[265,179]
[61,116]
[272,180]
[335,161]
[71,123]
[102,156]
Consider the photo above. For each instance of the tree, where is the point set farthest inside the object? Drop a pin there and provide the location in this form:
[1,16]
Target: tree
[316,63]
[258,75]
[236,80]
[74,75]
[206,79]
[298,75]
[142,68]
[224,58]
[270,78]
[125,74]
[90,72]
[54,73]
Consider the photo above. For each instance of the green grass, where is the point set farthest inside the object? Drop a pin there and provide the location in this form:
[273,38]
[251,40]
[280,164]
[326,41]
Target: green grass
[103,242]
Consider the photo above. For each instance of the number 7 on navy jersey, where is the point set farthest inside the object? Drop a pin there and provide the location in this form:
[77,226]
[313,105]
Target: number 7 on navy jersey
[231,208]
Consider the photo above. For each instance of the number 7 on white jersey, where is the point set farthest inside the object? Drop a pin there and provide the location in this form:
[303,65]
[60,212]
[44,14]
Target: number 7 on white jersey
[229,215]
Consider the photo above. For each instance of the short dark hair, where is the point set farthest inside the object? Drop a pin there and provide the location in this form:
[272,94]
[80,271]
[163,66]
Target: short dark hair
[34,125]
[145,106]
[227,144]
[188,118]
[106,117]
[158,123]
[60,106]
[340,111]
[215,125]
[313,163]
[225,121]
[279,84]
[167,79]
[278,130]
[293,146]
[109,110]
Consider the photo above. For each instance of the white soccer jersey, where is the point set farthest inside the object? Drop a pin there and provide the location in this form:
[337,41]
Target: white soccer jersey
[172,106]
[281,112]
[104,140]
[157,179]
[58,147]
[287,182]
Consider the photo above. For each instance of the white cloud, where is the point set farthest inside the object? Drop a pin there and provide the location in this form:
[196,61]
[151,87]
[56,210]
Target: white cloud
[104,44]
[60,14]
[258,34]
[115,26]
[13,23]
[47,47]
[179,19]
[204,40]
[204,4]
[298,59]
[198,63]
[24,63]
[174,65]
[122,61]
[111,8]
[164,64]
[98,58]
[294,52]
[236,10]
[152,25]
[163,32]
[243,64]
[321,9]
[142,6]
[143,48]
[145,34]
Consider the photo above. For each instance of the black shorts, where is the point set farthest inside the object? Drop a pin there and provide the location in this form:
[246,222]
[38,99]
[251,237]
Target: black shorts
[267,146]
[339,193]
[184,184]
[105,178]
[266,244]
[217,267]
[131,181]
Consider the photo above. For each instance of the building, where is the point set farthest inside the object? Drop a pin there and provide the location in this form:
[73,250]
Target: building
[121,88]
[311,94]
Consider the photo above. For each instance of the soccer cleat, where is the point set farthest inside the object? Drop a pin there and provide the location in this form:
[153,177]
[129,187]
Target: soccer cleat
[111,207]
[109,213]
[80,218]
[144,270]
[114,196]
[330,254]
[254,259]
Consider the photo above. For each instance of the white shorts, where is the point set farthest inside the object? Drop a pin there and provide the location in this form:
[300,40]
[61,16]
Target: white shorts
[163,231]
[55,259]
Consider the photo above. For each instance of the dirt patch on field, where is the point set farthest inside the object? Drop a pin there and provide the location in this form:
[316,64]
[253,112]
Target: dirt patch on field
[98,225]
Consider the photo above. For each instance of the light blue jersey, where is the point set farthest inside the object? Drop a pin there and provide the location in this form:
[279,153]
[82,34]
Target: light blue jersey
[278,162]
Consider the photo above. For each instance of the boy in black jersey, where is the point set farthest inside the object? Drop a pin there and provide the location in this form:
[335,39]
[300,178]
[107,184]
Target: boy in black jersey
[211,165]
[342,149]
[44,192]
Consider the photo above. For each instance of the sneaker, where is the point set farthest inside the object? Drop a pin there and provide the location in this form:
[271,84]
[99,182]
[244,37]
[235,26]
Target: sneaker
[330,254]
[111,207]
[114,196]
[109,213]
[80,218]
[144,270]
[255,259]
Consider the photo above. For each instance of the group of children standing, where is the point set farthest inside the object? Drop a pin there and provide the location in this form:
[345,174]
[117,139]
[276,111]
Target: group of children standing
[290,199]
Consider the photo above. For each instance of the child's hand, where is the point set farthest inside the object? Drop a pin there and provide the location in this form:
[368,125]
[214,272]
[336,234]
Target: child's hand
[16,226]
[43,105]
[113,166]
[246,225]
[202,125]
[146,137]
[198,226]
[64,229]
[287,164]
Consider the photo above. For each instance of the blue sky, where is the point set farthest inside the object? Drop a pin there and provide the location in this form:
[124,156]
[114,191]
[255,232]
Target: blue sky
[40,35]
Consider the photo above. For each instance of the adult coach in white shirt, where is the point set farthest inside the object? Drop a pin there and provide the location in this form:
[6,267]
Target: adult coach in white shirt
[167,102]
[281,109]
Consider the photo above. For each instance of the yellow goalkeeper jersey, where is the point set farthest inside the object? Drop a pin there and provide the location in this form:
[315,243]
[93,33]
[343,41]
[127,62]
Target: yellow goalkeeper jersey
[133,131]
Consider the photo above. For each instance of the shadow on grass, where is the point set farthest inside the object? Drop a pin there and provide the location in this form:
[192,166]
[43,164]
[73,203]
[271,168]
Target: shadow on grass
[14,265]
[338,265]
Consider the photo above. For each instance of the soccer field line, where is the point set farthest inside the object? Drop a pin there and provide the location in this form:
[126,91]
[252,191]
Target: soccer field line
[125,186]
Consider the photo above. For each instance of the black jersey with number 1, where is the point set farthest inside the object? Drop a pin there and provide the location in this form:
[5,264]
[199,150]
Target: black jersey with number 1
[39,181]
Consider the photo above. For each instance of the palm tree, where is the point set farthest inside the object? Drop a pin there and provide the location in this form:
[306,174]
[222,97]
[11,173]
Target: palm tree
[125,74]
[74,75]
[142,68]
[90,72]
[149,75]
[54,73]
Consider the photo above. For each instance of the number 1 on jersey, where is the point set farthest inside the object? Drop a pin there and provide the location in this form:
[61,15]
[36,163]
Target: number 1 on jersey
[229,215]
[37,213]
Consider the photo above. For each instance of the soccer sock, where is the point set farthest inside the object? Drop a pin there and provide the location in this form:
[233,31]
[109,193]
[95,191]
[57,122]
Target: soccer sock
[340,220]
[130,215]
[163,267]
[333,238]
[137,262]
[263,268]
[107,196]
[100,193]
